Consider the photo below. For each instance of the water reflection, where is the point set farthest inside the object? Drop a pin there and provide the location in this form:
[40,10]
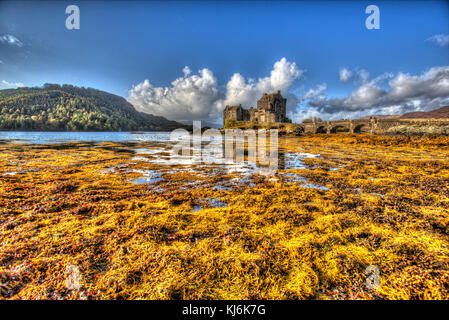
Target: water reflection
[245,171]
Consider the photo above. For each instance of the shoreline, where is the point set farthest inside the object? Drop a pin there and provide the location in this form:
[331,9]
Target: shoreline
[135,228]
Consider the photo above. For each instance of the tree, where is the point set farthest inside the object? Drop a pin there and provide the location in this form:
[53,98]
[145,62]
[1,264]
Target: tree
[229,123]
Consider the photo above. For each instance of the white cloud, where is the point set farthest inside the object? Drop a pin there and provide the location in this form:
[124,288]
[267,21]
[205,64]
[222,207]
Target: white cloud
[345,75]
[11,40]
[10,85]
[188,98]
[247,92]
[186,70]
[441,39]
[402,93]
[364,75]
[313,93]
[361,74]
[199,97]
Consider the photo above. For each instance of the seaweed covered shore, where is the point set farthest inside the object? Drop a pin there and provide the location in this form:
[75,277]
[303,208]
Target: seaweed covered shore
[132,227]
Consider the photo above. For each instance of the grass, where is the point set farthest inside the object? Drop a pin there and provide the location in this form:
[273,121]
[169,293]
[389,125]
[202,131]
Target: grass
[387,205]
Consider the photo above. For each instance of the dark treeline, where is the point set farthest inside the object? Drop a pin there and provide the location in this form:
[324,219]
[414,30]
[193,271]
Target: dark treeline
[69,108]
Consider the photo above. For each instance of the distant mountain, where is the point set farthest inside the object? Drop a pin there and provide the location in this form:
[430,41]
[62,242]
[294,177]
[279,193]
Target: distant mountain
[69,108]
[433,114]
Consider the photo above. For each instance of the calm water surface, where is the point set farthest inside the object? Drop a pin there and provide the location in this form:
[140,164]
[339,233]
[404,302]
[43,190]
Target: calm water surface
[58,137]
[157,154]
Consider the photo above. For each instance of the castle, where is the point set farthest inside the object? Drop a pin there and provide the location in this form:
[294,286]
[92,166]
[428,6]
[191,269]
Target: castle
[271,108]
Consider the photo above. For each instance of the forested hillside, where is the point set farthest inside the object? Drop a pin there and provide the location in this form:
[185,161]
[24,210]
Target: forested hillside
[69,108]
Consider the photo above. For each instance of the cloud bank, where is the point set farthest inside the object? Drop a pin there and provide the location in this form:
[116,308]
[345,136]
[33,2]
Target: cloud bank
[199,97]
[402,93]
[191,97]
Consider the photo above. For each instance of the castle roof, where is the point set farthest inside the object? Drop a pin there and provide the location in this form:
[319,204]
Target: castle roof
[233,107]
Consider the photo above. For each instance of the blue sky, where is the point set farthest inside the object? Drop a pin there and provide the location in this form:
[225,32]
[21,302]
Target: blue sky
[122,43]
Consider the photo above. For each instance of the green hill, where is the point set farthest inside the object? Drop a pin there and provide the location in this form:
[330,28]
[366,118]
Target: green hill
[69,108]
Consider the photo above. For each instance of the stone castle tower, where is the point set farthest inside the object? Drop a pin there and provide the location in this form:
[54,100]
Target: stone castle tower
[271,108]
